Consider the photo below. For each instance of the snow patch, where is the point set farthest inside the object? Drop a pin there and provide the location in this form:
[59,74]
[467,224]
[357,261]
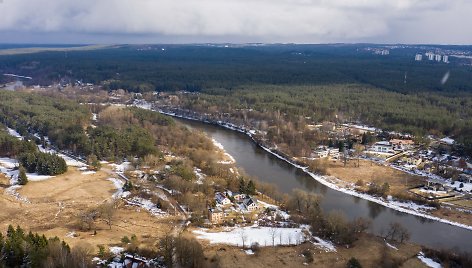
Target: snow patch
[391,246]
[121,168]
[199,174]
[8,162]
[324,244]
[249,252]
[147,205]
[12,191]
[428,262]
[253,234]
[15,134]
[119,188]
[116,250]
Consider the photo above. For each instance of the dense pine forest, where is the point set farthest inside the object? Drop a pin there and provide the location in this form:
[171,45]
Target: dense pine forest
[196,67]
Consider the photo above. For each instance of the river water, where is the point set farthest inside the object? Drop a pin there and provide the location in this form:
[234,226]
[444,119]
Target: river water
[268,168]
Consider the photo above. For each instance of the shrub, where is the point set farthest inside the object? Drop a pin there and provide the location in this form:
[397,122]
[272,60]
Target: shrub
[353,263]
[255,247]
[22,179]
[125,240]
[308,256]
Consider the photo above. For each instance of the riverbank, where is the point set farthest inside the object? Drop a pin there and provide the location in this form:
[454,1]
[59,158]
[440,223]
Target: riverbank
[405,207]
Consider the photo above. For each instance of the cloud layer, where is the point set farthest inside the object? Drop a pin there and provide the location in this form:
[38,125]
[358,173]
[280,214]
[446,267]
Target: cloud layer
[312,21]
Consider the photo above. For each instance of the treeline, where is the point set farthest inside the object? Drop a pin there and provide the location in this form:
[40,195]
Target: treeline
[284,111]
[21,249]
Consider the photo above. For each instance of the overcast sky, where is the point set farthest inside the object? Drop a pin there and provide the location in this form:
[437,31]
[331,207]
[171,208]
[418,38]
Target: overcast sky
[237,21]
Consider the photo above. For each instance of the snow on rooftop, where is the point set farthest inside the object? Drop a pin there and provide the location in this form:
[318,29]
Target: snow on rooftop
[387,143]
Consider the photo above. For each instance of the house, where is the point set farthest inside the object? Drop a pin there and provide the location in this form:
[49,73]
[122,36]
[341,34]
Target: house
[221,199]
[320,154]
[382,147]
[401,145]
[323,152]
[414,160]
[250,204]
[239,197]
[437,185]
[334,153]
[215,215]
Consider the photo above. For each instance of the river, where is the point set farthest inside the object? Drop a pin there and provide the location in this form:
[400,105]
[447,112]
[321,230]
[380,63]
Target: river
[268,168]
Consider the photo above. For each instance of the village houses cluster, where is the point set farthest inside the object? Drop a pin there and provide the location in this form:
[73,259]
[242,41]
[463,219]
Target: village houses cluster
[228,205]
[435,160]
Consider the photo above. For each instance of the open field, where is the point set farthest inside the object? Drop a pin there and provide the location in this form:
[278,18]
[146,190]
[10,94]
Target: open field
[56,203]
[371,172]
[29,50]
[292,256]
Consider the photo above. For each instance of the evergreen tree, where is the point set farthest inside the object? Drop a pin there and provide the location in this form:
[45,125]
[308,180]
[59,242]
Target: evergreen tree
[128,186]
[22,178]
[251,188]
[242,186]
[92,160]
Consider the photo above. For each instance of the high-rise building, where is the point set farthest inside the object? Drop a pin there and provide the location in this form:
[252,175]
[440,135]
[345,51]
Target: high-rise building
[446,58]
[430,55]
[418,57]
[437,57]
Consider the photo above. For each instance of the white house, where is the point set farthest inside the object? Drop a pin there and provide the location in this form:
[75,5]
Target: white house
[222,199]
[323,152]
[382,147]
[250,204]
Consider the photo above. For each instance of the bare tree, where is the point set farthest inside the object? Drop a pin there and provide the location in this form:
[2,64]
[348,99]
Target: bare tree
[81,255]
[396,232]
[107,212]
[358,148]
[243,237]
[88,218]
[273,233]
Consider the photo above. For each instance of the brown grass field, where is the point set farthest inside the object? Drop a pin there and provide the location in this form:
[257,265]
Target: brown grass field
[57,202]
[371,172]
[368,250]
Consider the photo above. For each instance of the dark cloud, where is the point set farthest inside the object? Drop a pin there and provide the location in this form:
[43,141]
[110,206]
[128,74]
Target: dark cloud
[305,21]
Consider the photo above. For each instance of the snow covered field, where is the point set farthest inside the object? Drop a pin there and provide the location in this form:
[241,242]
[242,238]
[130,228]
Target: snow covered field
[253,234]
